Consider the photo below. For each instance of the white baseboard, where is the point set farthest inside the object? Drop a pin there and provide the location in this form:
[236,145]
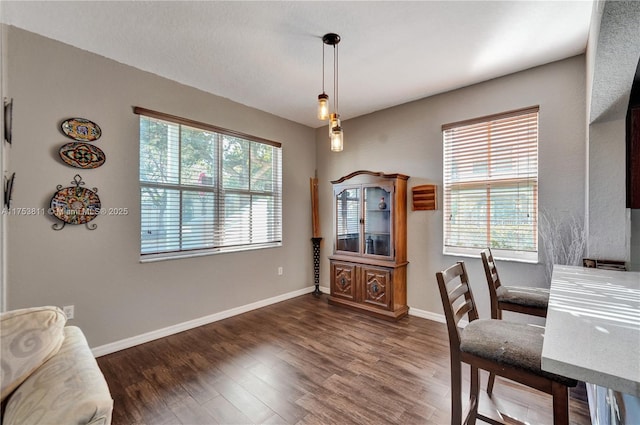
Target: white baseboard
[434,316]
[180,327]
[427,315]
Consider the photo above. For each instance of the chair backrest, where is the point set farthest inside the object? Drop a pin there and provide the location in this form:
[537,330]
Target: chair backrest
[493,280]
[457,300]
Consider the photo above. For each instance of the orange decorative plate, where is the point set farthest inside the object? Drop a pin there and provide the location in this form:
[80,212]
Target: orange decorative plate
[82,155]
[75,205]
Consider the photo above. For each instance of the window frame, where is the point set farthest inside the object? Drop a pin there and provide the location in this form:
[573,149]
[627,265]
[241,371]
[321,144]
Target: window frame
[219,192]
[489,183]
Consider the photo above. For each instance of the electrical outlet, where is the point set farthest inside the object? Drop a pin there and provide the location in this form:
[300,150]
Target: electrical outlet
[68,311]
[280,271]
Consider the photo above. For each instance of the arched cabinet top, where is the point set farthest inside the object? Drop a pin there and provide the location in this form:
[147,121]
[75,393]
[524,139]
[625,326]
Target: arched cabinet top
[371,173]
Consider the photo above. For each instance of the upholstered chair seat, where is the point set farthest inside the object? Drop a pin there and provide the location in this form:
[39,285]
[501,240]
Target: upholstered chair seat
[523,296]
[508,343]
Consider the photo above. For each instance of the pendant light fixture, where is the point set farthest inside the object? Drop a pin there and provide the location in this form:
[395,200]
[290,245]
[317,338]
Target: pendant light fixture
[323,98]
[335,129]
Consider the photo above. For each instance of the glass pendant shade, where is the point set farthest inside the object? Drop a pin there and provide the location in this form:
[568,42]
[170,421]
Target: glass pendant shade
[323,107]
[336,139]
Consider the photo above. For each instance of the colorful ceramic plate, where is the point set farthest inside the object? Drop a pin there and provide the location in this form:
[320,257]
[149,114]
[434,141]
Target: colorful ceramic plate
[81,129]
[75,205]
[82,155]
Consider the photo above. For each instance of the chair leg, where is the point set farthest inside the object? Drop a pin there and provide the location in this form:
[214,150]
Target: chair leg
[497,314]
[474,394]
[560,395]
[492,380]
[456,392]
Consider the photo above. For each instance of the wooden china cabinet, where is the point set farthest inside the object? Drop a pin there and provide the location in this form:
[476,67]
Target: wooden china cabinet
[369,261]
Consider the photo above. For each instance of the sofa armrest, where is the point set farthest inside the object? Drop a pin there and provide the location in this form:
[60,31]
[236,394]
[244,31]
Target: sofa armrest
[69,388]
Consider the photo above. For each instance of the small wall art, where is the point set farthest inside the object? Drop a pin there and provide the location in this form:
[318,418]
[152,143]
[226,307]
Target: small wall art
[82,155]
[81,129]
[425,197]
[8,189]
[75,205]
[8,119]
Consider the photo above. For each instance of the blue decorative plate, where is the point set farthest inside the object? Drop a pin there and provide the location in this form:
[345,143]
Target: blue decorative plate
[81,129]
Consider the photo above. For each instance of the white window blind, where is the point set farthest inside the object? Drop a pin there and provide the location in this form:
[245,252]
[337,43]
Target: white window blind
[348,213]
[491,185]
[204,189]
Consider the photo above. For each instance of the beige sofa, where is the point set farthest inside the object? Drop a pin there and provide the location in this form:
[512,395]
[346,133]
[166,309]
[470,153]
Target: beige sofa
[48,373]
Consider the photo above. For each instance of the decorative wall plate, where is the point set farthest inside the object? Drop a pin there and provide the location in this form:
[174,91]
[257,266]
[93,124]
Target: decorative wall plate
[81,129]
[75,204]
[82,155]
[8,120]
[8,189]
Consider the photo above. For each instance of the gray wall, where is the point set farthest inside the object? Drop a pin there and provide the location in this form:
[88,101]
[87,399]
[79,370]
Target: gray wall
[407,139]
[98,271]
[3,155]
[609,219]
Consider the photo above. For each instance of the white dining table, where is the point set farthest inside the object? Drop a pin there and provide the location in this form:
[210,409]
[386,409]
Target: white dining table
[592,331]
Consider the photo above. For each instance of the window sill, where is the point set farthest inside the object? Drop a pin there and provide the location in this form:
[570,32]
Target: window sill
[152,258]
[498,254]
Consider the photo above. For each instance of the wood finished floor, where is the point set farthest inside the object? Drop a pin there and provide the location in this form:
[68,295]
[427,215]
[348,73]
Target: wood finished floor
[303,361]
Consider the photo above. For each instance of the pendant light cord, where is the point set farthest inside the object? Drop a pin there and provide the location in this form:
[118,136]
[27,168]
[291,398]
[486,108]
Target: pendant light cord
[322,66]
[335,77]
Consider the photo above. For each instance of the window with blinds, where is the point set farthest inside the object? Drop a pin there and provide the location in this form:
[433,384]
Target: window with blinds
[491,185]
[205,189]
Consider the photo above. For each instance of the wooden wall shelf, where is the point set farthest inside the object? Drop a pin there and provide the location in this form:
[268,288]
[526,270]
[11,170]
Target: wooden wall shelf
[425,197]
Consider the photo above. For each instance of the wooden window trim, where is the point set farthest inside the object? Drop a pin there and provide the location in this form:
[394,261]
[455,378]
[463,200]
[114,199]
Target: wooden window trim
[492,117]
[203,126]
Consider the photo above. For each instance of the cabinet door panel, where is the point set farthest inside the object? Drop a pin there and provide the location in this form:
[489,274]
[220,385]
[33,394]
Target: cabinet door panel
[378,219]
[343,280]
[377,284]
[348,223]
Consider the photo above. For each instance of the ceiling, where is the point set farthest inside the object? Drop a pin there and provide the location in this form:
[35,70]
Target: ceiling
[268,55]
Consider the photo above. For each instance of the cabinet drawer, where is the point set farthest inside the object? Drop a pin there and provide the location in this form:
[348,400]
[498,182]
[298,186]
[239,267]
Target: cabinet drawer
[343,280]
[377,286]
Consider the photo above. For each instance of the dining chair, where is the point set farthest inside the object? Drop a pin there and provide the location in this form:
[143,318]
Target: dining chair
[519,299]
[508,349]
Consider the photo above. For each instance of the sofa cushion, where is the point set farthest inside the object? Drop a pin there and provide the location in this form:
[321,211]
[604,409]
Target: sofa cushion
[28,337]
[68,389]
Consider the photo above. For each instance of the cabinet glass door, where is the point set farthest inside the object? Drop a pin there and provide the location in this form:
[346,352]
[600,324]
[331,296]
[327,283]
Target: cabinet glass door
[377,220]
[348,220]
